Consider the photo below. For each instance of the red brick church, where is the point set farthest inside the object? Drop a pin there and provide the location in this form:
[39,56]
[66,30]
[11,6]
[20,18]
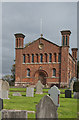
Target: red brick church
[45,61]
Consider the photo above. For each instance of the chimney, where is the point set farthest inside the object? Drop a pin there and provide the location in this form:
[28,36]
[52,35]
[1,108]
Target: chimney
[65,37]
[19,40]
[74,53]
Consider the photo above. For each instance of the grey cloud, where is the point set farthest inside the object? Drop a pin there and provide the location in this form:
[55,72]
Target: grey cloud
[25,18]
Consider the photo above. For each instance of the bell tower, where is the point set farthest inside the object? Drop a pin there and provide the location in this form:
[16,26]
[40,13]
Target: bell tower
[19,40]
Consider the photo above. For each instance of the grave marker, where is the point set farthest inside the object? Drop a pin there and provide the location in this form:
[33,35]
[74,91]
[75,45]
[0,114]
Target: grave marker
[30,92]
[39,87]
[76,86]
[12,114]
[76,95]
[68,94]
[4,89]
[46,108]
[16,94]
[1,104]
[54,93]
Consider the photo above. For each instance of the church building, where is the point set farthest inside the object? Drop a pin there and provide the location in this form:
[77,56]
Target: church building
[45,61]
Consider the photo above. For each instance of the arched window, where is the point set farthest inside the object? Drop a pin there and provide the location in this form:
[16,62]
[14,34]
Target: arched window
[28,57]
[41,57]
[45,57]
[50,57]
[23,58]
[63,40]
[37,58]
[54,72]
[28,72]
[54,57]
[66,39]
[59,57]
[33,58]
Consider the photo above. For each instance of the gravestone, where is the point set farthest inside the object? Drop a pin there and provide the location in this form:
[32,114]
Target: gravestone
[46,108]
[30,92]
[76,95]
[16,94]
[39,87]
[54,94]
[10,114]
[71,85]
[68,94]
[76,86]
[4,89]
[1,104]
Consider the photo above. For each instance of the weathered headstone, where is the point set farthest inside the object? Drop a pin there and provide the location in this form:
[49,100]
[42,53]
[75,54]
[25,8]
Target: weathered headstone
[68,94]
[14,114]
[4,89]
[76,95]
[39,87]
[1,104]
[54,94]
[46,108]
[30,92]
[16,94]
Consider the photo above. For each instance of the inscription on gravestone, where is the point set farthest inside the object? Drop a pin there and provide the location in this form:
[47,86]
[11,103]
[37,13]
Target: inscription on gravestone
[30,92]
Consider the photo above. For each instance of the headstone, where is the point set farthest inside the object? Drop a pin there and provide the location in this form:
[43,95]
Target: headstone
[4,89]
[39,87]
[1,104]
[14,114]
[46,108]
[68,94]
[71,85]
[30,92]
[54,94]
[16,94]
[76,95]
[76,86]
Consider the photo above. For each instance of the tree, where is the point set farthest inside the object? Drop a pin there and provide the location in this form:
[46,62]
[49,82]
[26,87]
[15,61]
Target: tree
[13,72]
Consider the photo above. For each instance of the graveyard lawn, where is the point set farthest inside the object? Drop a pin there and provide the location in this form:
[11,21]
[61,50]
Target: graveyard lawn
[67,109]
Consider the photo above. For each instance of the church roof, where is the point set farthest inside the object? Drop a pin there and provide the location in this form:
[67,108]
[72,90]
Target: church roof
[41,38]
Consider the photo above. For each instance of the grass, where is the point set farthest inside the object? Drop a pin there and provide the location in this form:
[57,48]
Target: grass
[68,106]
[24,90]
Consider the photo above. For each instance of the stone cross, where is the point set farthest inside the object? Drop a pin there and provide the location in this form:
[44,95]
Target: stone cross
[30,92]
[54,94]
[39,87]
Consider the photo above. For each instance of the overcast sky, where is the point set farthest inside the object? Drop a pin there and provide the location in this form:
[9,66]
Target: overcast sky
[25,18]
